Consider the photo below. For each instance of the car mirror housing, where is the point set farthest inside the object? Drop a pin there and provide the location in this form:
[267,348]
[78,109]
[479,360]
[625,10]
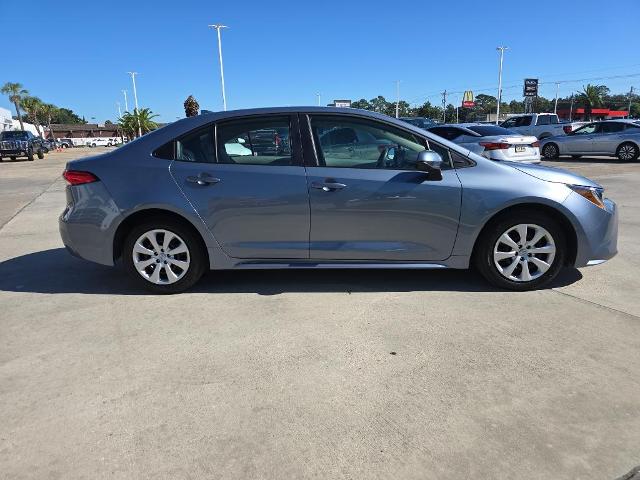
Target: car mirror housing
[430,162]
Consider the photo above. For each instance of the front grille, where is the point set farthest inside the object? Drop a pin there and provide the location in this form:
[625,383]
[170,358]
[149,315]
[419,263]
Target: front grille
[8,145]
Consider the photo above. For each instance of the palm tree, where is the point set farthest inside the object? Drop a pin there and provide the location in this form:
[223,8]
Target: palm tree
[15,92]
[191,106]
[592,96]
[143,118]
[32,107]
[48,111]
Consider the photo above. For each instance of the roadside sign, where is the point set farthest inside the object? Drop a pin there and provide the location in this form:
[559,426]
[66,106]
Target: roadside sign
[467,99]
[530,87]
[342,103]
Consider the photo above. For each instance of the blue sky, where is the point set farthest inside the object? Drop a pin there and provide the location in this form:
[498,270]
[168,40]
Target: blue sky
[283,52]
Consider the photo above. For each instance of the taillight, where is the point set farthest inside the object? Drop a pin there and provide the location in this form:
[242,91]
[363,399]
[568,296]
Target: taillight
[567,129]
[494,145]
[535,144]
[76,177]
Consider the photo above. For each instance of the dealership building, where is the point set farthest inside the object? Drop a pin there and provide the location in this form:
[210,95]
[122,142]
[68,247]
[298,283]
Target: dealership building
[84,130]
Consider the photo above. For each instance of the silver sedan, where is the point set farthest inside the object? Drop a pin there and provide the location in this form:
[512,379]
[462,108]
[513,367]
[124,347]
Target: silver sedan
[620,138]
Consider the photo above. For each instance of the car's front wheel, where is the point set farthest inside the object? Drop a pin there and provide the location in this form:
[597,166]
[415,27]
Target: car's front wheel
[40,155]
[523,251]
[550,151]
[164,256]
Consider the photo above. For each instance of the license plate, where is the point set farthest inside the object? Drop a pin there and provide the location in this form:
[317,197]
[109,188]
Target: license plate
[520,148]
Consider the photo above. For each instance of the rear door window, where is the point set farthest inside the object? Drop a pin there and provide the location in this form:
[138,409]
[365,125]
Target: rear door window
[255,141]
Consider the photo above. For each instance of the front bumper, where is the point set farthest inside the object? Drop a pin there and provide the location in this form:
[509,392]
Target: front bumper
[13,153]
[597,234]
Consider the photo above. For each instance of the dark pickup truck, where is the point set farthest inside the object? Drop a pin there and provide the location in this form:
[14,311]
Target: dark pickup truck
[19,143]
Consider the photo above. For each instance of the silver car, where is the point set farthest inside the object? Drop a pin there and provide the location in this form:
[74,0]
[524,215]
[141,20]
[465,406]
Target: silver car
[620,138]
[491,141]
[184,199]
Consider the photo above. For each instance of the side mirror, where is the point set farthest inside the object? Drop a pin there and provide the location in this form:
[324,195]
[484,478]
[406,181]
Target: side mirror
[430,162]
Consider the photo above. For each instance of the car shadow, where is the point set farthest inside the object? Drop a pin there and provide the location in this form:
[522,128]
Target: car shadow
[584,160]
[56,271]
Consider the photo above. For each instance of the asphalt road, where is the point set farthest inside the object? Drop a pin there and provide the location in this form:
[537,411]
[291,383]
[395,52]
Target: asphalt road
[294,374]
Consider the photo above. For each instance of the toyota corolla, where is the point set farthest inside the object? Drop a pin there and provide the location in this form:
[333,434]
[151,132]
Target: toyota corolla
[314,187]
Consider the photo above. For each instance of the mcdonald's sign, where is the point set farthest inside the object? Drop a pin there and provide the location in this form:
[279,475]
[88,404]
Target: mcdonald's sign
[467,99]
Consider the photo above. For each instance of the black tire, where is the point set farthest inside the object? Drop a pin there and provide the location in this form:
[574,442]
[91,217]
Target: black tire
[628,152]
[576,157]
[550,151]
[30,155]
[64,145]
[40,155]
[198,257]
[483,253]
[13,158]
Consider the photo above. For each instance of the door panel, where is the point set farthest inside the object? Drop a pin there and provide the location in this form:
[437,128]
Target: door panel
[251,192]
[382,214]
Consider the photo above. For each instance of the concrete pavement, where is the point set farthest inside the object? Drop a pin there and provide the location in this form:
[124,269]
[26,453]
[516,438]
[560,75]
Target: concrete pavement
[294,374]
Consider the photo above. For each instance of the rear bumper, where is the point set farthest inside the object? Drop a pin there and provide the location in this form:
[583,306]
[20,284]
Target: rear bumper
[88,222]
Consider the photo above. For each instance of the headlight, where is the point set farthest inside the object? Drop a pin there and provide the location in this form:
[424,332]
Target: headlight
[593,194]
[24,144]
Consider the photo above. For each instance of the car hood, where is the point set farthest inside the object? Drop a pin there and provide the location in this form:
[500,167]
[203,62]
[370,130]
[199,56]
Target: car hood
[552,174]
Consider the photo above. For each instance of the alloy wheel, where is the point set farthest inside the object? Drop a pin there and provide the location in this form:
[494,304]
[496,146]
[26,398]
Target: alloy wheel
[161,257]
[550,151]
[524,252]
[627,152]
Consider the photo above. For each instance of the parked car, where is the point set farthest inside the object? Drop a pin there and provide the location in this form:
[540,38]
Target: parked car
[540,125]
[491,141]
[20,143]
[415,201]
[421,122]
[620,138]
[99,142]
[66,143]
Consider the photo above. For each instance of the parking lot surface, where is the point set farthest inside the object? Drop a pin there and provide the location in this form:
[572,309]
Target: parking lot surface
[311,374]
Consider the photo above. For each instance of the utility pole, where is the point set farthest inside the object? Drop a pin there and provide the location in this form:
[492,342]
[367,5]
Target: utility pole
[119,110]
[119,117]
[126,104]
[555,108]
[629,109]
[501,49]
[318,95]
[397,98]
[135,100]
[571,109]
[218,27]
[444,107]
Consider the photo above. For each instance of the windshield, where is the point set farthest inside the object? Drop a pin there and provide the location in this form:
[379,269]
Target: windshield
[15,135]
[489,130]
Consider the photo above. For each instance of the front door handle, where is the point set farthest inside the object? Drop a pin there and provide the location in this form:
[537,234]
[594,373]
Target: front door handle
[328,186]
[203,179]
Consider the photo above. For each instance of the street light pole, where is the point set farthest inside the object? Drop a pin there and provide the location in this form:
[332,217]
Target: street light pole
[318,95]
[119,110]
[219,27]
[135,100]
[501,49]
[629,109]
[555,108]
[126,104]
[444,106]
[397,98]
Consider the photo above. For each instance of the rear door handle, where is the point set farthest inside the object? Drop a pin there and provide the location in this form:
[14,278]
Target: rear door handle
[203,179]
[328,186]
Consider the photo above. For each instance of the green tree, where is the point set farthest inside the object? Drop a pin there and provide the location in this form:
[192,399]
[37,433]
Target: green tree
[16,93]
[48,110]
[191,106]
[592,96]
[362,104]
[143,118]
[66,116]
[32,106]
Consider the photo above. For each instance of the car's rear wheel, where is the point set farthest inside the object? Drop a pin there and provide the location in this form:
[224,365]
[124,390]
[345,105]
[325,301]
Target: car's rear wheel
[13,158]
[523,251]
[30,155]
[164,256]
[550,151]
[628,151]
[40,155]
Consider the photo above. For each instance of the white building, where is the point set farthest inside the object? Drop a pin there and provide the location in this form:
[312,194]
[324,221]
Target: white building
[8,123]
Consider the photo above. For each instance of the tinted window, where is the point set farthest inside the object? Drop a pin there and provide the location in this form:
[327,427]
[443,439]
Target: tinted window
[14,135]
[196,146]
[489,130]
[611,127]
[357,143]
[165,151]
[543,120]
[255,141]
[450,133]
